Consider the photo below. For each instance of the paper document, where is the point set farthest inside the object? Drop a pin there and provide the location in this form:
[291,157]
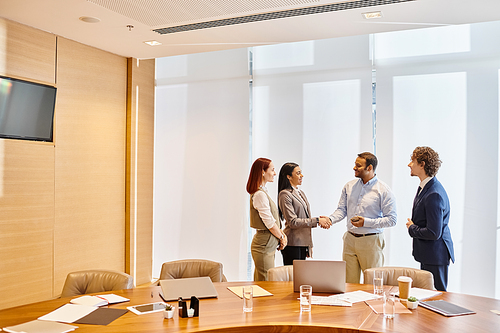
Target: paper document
[99,300]
[39,326]
[346,299]
[356,296]
[69,313]
[329,300]
[257,291]
[421,294]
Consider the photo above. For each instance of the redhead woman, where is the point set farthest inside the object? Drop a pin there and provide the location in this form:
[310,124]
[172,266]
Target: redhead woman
[294,209]
[264,218]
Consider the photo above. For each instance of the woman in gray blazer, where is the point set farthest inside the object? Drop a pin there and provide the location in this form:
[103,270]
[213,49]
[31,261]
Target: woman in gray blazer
[294,209]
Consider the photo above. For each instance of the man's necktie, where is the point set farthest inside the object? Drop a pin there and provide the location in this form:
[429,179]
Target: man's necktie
[416,195]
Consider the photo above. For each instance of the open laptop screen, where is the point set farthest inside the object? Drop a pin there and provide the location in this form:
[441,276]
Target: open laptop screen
[325,276]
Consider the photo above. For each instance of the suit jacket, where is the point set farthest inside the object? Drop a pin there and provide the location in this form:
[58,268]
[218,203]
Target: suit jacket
[297,215]
[432,244]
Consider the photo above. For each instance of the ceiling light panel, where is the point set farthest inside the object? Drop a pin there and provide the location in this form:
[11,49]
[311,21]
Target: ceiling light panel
[170,12]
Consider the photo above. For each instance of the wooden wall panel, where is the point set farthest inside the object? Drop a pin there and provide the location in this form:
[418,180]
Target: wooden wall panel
[63,205]
[26,221]
[27,53]
[140,152]
[26,179]
[90,160]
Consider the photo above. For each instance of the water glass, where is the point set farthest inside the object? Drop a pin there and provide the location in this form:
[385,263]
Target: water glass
[389,306]
[247,299]
[378,283]
[305,298]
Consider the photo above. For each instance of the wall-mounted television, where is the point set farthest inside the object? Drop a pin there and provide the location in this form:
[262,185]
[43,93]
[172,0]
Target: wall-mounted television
[26,110]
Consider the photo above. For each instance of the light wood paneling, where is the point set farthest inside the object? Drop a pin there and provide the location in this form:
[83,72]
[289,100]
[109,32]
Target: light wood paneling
[27,53]
[26,221]
[140,159]
[90,160]
[63,204]
[26,179]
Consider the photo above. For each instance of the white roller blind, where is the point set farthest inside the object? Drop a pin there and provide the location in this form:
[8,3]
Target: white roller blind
[312,106]
[439,88]
[201,160]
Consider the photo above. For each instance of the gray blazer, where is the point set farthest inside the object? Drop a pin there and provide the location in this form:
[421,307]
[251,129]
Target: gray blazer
[298,220]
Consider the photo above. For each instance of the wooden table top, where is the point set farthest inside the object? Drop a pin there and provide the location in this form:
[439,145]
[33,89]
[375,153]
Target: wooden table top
[277,313]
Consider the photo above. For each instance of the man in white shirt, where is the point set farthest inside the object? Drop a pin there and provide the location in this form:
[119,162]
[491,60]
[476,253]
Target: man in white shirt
[369,206]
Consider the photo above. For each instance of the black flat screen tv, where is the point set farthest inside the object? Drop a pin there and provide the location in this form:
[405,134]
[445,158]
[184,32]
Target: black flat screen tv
[26,110]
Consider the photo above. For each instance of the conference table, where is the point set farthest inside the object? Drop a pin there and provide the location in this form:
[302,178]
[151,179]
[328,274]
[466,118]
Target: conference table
[277,313]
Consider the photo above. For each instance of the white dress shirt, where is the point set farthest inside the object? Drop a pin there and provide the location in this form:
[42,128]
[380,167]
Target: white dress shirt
[261,203]
[374,201]
[423,183]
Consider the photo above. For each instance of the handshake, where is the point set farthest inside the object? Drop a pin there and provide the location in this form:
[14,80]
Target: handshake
[324,222]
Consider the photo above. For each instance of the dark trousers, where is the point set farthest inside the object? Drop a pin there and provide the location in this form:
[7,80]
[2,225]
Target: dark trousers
[291,253]
[440,273]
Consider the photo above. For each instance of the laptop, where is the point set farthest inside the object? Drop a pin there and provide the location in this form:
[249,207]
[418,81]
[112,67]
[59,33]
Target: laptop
[445,308]
[325,276]
[201,287]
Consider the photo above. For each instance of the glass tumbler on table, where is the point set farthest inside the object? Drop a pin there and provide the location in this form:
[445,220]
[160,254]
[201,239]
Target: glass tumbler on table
[378,283]
[247,299]
[389,306]
[305,298]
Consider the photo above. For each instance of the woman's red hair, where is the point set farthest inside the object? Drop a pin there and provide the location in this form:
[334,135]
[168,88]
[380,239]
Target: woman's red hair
[255,179]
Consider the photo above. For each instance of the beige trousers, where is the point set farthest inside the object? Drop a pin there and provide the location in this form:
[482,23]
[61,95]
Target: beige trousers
[361,253]
[263,248]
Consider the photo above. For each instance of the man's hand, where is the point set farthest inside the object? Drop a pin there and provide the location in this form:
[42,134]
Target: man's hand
[358,221]
[409,223]
[324,222]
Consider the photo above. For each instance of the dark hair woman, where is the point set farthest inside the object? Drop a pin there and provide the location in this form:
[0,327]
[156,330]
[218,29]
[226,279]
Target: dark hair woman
[264,218]
[294,209]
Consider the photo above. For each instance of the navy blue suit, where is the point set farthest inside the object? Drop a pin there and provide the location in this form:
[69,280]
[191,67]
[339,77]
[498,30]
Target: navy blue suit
[432,244]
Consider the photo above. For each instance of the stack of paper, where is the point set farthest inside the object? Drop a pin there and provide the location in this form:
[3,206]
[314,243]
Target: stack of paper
[257,291]
[346,299]
[84,314]
[421,294]
[329,300]
[99,300]
[39,326]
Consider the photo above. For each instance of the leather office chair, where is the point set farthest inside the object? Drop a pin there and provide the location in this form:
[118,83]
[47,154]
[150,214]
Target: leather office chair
[281,273]
[421,279]
[188,268]
[94,281]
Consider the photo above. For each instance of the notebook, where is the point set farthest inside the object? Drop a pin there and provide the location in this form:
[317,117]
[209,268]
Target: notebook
[201,287]
[325,276]
[445,308]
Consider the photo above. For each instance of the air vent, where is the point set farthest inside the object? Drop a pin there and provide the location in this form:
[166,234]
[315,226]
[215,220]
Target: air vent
[278,15]
[161,13]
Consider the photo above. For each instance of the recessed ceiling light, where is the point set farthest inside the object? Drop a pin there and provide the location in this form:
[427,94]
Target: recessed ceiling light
[152,43]
[89,19]
[372,15]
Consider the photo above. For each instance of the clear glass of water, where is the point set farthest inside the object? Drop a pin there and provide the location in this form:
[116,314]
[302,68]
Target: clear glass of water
[389,306]
[378,283]
[247,299]
[305,298]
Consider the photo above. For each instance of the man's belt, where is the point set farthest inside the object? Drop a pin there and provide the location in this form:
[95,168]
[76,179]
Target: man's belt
[363,235]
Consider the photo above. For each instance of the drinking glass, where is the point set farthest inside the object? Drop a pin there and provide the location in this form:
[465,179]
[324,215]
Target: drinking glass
[305,298]
[378,283]
[389,306]
[247,299]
